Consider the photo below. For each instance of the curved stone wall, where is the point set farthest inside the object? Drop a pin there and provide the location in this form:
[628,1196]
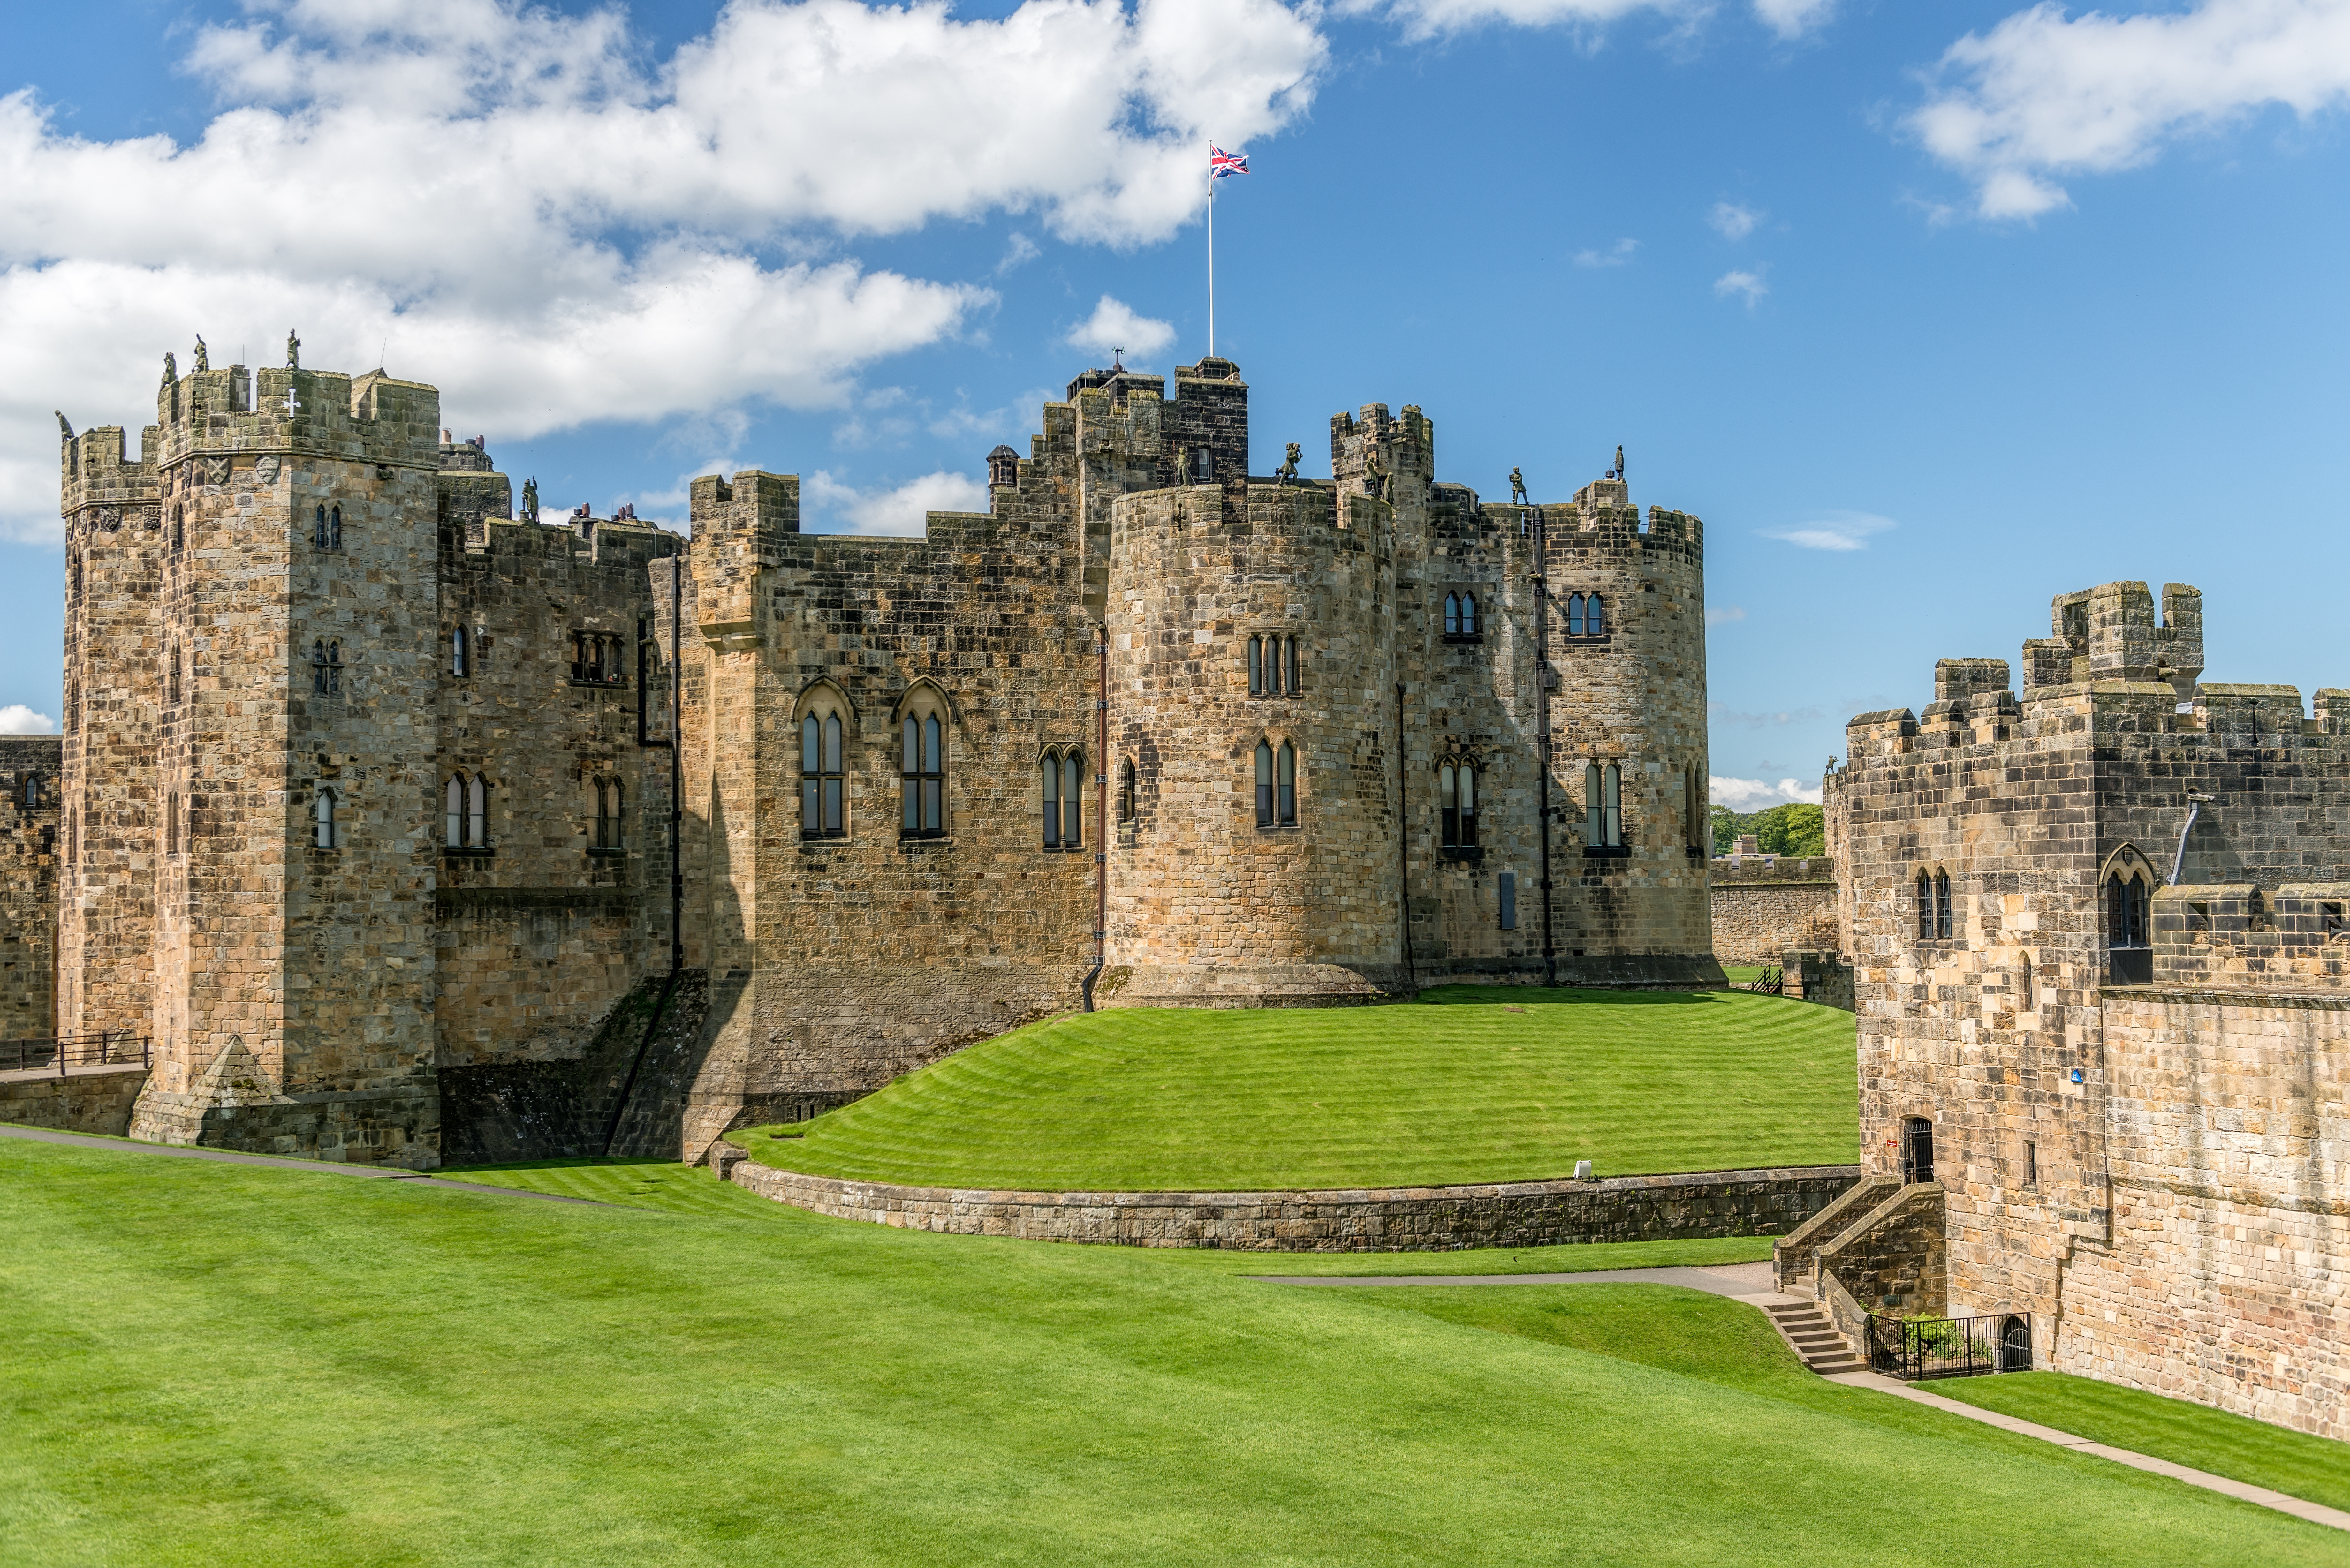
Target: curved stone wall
[1368,1219]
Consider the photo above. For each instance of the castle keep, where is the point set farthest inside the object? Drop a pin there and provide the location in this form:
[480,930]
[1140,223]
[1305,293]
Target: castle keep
[409,827]
[2098,938]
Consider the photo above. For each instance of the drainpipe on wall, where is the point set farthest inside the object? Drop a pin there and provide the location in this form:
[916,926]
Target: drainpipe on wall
[1101,818]
[2195,803]
[1542,727]
[1403,835]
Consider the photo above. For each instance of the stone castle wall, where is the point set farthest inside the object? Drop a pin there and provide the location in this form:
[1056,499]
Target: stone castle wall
[30,766]
[2001,1033]
[1761,911]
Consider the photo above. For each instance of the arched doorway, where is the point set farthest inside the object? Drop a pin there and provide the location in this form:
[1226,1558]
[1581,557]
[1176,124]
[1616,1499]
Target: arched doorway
[1917,1149]
[2015,1344]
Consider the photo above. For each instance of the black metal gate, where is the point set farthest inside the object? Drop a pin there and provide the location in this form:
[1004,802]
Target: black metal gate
[1917,1149]
[1918,1347]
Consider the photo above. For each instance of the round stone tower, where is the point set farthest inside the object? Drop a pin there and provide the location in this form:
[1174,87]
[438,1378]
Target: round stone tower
[1250,691]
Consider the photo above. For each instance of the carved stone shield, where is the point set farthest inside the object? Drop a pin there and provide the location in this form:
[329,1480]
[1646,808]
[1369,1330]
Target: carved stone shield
[110,518]
[264,472]
[216,470]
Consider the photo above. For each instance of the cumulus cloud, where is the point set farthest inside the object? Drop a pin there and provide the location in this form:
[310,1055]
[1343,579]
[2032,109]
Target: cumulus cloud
[1722,713]
[1833,531]
[1617,254]
[1116,325]
[1722,615]
[515,205]
[15,719]
[1734,221]
[834,507]
[1793,18]
[1737,281]
[1754,794]
[2044,95]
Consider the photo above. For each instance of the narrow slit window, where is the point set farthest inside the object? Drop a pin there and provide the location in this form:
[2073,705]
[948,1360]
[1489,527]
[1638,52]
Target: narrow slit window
[822,783]
[324,813]
[319,528]
[1593,816]
[1288,785]
[1925,907]
[923,778]
[1594,617]
[1467,805]
[1256,666]
[1290,648]
[455,801]
[460,663]
[1469,614]
[1073,798]
[1613,826]
[334,527]
[835,784]
[1574,615]
[1264,783]
[1051,769]
[1453,615]
[32,792]
[1126,792]
[477,811]
[1942,927]
[1448,804]
[608,814]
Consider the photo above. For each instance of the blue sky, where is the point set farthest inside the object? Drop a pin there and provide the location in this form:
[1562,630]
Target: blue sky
[1930,312]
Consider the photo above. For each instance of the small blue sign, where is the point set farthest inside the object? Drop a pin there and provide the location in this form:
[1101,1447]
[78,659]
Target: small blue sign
[2076,1074]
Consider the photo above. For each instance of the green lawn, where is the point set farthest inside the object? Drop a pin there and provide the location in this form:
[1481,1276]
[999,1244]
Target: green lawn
[224,1364]
[1468,1084]
[2237,1446]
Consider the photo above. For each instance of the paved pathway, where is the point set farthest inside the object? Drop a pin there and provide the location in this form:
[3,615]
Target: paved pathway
[1751,1283]
[323,1167]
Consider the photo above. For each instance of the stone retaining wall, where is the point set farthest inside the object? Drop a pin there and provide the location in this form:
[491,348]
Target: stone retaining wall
[1759,912]
[87,1100]
[1375,1219]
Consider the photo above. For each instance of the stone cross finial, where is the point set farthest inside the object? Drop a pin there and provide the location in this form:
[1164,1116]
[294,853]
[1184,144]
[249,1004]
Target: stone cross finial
[293,350]
[1116,360]
[203,356]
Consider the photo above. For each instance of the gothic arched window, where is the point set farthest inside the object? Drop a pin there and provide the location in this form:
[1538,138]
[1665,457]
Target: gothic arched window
[460,651]
[1264,817]
[1285,786]
[1594,617]
[1469,626]
[453,801]
[1942,923]
[1289,657]
[922,774]
[1256,666]
[1925,891]
[1456,792]
[334,527]
[1126,791]
[323,813]
[318,666]
[1064,799]
[822,780]
[1574,615]
[1453,615]
[32,792]
[319,528]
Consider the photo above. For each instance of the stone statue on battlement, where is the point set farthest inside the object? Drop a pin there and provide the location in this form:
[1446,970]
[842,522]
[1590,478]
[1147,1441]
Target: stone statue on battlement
[530,500]
[203,356]
[1616,473]
[1517,486]
[171,368]
[1375,477]
[293,350]
[65,426]
[1287,472]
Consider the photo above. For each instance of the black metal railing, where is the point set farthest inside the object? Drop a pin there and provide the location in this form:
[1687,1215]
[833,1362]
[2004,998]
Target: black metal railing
[1917,1347]
[1770,983]
[110,1048]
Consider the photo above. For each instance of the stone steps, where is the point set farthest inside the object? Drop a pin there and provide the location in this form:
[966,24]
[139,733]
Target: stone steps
[1809,1333]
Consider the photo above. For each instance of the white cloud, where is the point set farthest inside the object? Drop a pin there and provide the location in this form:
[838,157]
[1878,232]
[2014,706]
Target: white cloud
[1114,325]
[1617,254]
[1754,794]
[1722,615]
[830,507]
[1021,251]
[1743,282]
[16,718]
[1734,221]
[1793,18]
[2044,95]
[1833,531]
[514,205]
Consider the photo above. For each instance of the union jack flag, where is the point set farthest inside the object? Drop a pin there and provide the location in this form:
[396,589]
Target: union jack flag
[1223,164]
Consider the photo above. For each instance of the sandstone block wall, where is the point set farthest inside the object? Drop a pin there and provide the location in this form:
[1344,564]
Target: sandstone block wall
[30,766]
[1439,1219]
[86,1099]
[1761,911]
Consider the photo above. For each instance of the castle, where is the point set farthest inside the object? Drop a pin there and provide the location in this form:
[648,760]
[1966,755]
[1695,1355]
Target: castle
[408,828]
[2097,933]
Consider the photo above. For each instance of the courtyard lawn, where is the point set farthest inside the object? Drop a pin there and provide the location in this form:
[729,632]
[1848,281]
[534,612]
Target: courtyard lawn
[2237,1446]
[1466,1084]
[226,1365]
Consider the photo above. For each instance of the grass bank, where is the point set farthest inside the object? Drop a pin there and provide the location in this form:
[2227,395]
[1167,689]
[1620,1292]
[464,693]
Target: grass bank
[1465,1084]
[224,1364]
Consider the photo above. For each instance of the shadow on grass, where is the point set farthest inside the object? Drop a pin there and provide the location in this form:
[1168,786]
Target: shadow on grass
[1552,996]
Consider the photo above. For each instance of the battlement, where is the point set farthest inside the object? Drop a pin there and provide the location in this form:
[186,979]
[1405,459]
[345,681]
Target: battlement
[1405,445]
[95,469]
[2110,633]
[372,418]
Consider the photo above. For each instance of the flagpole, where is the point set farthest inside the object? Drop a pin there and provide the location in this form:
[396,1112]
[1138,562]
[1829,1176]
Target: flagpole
[1212,263]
